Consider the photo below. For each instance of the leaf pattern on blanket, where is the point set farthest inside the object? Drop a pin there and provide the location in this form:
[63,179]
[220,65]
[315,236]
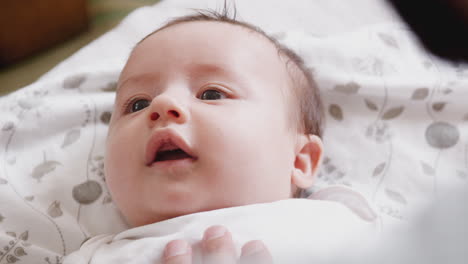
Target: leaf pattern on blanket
[331,173]
[379,131]
[336,112]
[389,40]
[442,135]
[371,105]
[110,87]
[87,192]
[74,82]
[15,248]
[8,126]
[393,113]
[395,196]
[56,260]
[71,137]
[379,169]
[427,169]
[420,93]
[348,89]
[44,168]
[438,106]
[55,209]
[106,117]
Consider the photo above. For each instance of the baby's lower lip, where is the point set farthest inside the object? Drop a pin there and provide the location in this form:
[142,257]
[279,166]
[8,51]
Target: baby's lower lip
[177,163]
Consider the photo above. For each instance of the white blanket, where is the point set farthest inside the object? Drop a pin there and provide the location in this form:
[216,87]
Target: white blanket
[294,230]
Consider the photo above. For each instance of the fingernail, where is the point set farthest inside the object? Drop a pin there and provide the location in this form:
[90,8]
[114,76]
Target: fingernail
[253,248]
[176,248]
[214,232]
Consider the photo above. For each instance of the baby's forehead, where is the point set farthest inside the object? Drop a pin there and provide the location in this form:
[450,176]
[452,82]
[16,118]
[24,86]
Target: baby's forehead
[207,30]
[230,42]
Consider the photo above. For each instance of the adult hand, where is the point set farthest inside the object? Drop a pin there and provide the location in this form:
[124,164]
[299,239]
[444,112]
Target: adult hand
[217,248]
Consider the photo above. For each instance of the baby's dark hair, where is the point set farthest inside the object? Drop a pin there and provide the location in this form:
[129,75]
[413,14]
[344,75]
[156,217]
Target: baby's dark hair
[309,115]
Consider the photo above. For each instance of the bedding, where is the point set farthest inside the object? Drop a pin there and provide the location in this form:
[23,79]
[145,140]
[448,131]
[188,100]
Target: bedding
[396,121]
[316,228]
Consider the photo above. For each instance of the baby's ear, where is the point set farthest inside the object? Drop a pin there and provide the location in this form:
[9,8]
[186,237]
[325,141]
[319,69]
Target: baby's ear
[309,151]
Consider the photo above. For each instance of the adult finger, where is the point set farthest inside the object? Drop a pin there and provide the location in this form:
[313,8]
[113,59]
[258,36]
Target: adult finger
[255,252]
[217,246]
[177,252]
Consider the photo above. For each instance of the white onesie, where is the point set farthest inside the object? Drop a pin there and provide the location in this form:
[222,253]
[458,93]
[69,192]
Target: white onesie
[293,230]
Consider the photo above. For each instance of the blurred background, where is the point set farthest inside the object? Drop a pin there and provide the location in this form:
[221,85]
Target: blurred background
[36,35]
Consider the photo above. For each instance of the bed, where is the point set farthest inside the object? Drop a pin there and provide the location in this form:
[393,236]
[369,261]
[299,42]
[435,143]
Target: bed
[396,122]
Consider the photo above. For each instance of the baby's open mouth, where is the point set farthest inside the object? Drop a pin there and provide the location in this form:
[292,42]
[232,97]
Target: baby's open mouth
[173,154]
[170,151]
[167,146]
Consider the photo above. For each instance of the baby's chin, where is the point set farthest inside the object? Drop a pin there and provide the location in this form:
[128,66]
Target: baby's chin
[151,218]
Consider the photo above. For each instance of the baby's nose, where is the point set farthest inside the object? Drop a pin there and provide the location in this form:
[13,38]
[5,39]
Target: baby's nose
[166,108]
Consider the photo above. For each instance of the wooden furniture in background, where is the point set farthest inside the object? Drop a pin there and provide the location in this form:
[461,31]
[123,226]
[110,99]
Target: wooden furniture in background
[29,26]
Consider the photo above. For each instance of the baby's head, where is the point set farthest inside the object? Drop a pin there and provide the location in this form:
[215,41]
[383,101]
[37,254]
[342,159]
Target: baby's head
[210,113]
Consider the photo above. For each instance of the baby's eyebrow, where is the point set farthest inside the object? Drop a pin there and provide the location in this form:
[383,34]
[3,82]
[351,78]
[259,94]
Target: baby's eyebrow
[197,69]
[140,78]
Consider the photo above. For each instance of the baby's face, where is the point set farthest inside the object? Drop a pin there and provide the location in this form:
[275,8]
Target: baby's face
[217,95]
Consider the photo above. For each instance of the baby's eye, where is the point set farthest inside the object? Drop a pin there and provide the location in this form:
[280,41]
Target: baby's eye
[212,95]
[138,105]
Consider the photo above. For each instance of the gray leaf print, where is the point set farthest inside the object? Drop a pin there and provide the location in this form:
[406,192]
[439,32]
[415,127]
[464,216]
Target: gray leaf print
[110,87]
[447,91]
[12,234]
[71,137]
[395,196]
[389,40]
[3,181]
[44,168]
[462,174]
[428,169]
[420,94]
[54,209]
[371,105]
[329,168]
[107,199]
[438,106]
[8,126]
[393,113]
[24,236]
[11,259]
[105,117]
[349,88]
[73,81]
[19,252]
[1,218]
[442,135]
[335,112]
[378,169]
[465,117]
[29,198]
[87,192]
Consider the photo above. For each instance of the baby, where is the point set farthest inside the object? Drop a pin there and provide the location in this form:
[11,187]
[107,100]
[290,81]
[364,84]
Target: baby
[215,122]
